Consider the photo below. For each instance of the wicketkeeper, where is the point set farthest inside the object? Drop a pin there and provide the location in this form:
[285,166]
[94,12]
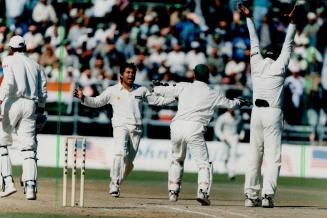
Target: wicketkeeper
[196,105]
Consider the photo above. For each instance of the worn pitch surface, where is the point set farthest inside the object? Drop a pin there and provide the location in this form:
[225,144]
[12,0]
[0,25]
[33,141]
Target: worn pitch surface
[144,195]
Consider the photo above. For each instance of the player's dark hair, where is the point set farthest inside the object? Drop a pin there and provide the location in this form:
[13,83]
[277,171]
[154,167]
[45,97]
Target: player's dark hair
[272,52]
[201,73]
[127,65]
[22,49]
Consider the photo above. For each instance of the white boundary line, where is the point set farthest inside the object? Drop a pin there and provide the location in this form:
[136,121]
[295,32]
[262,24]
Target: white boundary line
[188,211]
[227,212]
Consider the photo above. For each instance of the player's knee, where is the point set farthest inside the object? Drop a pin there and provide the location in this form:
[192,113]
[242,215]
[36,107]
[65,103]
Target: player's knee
[29,154]
[3,151]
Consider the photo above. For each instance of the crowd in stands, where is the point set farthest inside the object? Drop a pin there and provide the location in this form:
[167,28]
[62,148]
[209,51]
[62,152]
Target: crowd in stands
[87,41]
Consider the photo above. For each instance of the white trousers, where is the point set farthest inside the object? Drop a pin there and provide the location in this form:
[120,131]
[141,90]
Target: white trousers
[183,134]
[265,142]
[230,154]
[127,140]
[19,115]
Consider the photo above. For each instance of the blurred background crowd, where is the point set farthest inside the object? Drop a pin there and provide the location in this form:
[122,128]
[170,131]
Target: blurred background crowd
[85,41]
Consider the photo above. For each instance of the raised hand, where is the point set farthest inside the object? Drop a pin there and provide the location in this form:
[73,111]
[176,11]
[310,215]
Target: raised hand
[78,93]
[244,9]
[291,15]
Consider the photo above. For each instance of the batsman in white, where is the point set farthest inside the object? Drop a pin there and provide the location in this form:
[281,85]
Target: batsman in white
[196,105]
[22,97]
[268,75]
[228,130]
[126,99]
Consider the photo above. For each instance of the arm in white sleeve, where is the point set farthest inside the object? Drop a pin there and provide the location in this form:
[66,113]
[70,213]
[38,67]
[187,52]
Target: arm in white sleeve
[254,41]
[218,129]
[8,81]
[168,91]
[285,54]
[42,89]
[157,99]
[98,101]
[222,101]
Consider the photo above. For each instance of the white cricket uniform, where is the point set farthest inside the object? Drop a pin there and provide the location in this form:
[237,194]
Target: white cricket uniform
[226,129]
[196,104]
[24,87]
[126,122]
[266,122]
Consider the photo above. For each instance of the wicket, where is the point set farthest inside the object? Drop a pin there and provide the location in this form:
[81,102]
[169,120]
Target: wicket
[75,139]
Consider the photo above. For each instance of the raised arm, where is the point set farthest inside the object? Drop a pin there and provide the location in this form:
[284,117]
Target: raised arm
[254,40]
[168,91]
[94,102]
[154,99]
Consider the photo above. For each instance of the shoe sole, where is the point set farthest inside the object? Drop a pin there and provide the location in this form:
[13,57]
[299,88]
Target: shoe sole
[3,195]
[31,199]
[115,195]
[204,202]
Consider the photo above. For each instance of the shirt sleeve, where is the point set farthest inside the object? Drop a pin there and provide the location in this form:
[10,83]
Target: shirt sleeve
[169,91]
[254,41]
[221,100]
[98,101]
[153,99]
[285,55]
[8,80]
[42,89]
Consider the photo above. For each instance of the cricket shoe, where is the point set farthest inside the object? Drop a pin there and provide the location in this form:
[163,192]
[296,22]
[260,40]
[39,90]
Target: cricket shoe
[267,202]
[256,202]
[114,190]
[203,198]
[30,192]
[8,190]
[173,196]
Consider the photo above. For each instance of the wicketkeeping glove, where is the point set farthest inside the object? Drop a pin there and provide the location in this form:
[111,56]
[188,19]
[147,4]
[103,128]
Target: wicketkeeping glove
[244,102]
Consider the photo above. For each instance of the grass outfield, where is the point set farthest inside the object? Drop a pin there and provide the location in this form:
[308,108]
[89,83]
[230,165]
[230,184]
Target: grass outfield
[92,174]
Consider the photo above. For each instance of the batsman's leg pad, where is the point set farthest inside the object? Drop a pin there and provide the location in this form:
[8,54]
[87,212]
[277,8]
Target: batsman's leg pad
[29,165]
[175,175]
[5,163]
[205,177]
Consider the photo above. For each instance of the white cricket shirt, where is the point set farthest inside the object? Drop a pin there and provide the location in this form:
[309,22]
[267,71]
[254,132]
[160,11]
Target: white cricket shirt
[126,104]
[196,101]
[268,75]
[23,78]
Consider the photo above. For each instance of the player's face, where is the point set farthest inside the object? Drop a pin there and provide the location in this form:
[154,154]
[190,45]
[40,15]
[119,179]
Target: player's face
[128,76]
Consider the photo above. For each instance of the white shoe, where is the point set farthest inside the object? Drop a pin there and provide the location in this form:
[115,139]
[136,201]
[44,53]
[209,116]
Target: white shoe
[9,190]
[252,202]
[30,192]
[114,190]
[173,196]
[203,198]
[267,202]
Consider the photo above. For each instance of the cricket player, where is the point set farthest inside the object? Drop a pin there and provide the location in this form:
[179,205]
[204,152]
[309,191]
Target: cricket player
[126,99]
[196,104]
[227,129]
[268,75]
[22,97]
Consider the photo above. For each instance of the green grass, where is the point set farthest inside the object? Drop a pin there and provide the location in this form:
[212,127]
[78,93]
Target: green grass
[92,174]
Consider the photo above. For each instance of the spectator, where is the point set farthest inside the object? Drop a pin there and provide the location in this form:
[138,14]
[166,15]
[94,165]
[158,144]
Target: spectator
[44,13]
[33,38]
[176,62]
[14,9]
